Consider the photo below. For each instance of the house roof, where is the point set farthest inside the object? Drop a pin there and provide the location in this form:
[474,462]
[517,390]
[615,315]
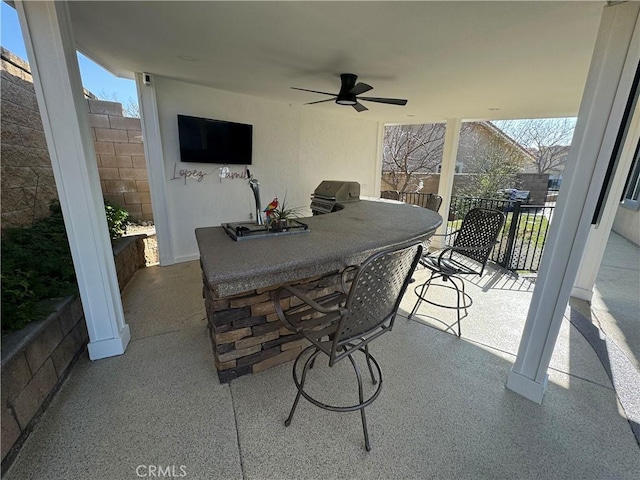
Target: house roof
[492,131]
[470,60]
[507,138]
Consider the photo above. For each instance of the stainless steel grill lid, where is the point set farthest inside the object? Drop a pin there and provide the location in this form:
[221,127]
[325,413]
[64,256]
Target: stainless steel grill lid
[328,196]
[338,190]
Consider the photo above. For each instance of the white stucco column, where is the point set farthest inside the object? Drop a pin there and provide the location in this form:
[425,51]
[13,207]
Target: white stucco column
[377,182]
[447,172]
[154,156]
[599,234]
[46,28]
[607,91]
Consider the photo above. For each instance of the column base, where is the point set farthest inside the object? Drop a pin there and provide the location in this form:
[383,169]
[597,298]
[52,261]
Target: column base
[582,293]
[526,387]
[437,242]
[110,347]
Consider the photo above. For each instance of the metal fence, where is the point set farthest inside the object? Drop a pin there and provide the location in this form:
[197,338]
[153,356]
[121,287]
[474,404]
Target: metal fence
[522,239]
[521,242]
[424,200]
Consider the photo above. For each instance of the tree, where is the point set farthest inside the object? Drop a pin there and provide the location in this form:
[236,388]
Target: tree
[493,164]
[130,108]
[547,139]
[410,150]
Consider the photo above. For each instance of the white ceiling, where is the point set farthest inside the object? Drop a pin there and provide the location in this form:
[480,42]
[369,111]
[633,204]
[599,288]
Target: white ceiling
[473,60]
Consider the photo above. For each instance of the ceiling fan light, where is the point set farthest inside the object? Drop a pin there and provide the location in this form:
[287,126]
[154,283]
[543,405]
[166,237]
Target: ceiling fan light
[345,101]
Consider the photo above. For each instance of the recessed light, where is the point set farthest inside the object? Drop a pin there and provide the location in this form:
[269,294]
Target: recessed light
[410,115]
[186,58]
[493,109]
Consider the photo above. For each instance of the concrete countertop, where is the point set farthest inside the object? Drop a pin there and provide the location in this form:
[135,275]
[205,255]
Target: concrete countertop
[336,240]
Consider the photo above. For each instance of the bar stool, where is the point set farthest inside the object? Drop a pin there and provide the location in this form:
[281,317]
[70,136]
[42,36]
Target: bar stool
[344,323]
[471,248]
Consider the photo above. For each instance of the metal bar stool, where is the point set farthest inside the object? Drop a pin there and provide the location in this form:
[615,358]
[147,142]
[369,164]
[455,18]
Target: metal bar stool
[473,241]
[344,323]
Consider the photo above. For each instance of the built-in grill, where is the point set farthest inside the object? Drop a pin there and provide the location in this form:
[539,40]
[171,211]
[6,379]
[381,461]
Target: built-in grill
[328,196]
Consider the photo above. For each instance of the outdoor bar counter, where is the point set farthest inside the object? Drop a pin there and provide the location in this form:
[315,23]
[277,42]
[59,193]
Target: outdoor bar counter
[240,278]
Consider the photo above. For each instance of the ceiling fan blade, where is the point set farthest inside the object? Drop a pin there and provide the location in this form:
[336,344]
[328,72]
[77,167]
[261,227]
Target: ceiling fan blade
[321,101]
[313,91]
[360,108]
[391,101]
[360,88]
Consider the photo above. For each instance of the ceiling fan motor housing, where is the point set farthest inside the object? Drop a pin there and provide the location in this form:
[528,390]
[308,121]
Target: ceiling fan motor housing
[349,94]
[345,97]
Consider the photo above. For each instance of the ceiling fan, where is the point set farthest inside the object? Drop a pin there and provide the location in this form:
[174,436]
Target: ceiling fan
[349,94]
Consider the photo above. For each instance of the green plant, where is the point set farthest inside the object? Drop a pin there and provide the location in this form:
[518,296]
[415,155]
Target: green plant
[36,265]
[280,216]
[117,220]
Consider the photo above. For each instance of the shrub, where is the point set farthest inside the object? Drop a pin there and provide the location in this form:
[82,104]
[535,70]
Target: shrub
[117,220]
[37,265]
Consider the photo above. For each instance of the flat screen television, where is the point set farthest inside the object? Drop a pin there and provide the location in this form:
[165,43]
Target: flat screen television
[203,140]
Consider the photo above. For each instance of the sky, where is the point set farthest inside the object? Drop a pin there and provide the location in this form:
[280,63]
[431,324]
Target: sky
[96,79]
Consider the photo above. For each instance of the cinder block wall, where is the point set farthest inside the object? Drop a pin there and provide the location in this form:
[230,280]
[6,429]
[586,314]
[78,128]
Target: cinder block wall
[536,183]
[28,185]
[31,375]
[120,156]
[27,179]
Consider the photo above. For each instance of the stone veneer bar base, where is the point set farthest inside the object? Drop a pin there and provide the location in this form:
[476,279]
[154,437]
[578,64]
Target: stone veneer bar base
[240,278]
[246,334]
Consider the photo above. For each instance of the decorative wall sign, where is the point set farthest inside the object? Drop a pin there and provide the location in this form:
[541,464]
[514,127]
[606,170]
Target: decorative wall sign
[229,175]
[198,175]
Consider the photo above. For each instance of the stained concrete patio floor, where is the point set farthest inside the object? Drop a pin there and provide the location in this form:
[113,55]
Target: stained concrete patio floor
[443,413]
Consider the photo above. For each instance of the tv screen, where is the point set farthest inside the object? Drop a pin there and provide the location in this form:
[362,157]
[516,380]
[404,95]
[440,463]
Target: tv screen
[204,140]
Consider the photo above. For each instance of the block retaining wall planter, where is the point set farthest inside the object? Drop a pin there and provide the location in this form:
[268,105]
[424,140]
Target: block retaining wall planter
[37,359]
